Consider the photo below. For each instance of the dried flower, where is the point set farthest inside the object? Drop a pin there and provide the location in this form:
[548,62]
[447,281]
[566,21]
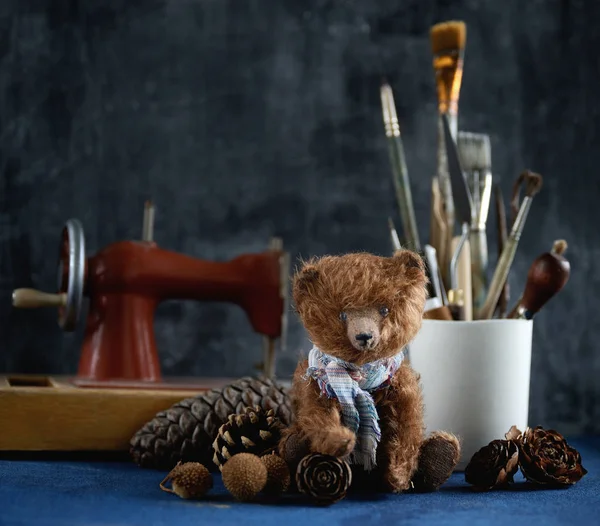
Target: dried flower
[545,458]
[190,480]
[493,465]
[325,478]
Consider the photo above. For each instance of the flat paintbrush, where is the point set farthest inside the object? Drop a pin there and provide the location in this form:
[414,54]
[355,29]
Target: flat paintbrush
[448,41]
[476,160]
[399,169]
[533,183]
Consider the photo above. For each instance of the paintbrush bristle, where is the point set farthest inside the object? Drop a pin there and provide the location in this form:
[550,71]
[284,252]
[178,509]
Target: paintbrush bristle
[448,36]
[533,183]
[475,151]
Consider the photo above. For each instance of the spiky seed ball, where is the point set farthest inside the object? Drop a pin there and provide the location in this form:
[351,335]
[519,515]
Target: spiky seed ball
[244,476]
[191,480]
[278,474]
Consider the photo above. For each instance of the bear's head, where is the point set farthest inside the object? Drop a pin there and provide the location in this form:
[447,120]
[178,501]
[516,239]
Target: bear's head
[361,307]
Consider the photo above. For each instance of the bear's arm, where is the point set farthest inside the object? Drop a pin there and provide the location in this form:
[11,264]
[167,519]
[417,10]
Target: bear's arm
[318,417]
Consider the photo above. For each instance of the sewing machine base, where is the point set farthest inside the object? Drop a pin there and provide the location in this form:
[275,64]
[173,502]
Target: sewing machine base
[47,413]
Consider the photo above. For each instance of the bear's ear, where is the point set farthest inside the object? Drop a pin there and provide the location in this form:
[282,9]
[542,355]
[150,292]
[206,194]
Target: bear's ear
[409,259]
[305,280]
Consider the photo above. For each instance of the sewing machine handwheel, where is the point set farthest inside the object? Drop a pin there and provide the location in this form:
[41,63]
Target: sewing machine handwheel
[71,273]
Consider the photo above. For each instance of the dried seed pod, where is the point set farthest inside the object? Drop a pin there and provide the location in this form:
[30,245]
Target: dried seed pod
[278,474]
[191,480]
[254,431]
[325,478]
[493,466]
[547,459]
[186,431]
[244,476]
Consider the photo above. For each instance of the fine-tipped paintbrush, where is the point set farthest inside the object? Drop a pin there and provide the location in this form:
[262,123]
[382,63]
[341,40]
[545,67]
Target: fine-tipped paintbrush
[502,230]
[399,169]
[533,183]
[448,41]
[476,158]
[396,245]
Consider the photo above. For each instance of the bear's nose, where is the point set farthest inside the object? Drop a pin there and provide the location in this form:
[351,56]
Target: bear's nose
[364,337]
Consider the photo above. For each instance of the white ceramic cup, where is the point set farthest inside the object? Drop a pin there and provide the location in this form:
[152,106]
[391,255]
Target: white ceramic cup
[475,378]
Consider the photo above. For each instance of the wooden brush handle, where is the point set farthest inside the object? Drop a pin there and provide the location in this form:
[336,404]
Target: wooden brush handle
[479,264]
[464,282]
[547,275]
[499,279]
[502,236]
[456,304]
[34,299]
[441,313]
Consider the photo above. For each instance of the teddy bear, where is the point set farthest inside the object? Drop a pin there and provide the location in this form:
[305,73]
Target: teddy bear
[356,396]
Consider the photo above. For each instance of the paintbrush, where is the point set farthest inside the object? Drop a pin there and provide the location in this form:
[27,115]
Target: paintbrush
[502,235]
[448,41]
[533,184]
[396,245]
[399,169]
[547,276]
[437,228]
[460,264]
[476,160]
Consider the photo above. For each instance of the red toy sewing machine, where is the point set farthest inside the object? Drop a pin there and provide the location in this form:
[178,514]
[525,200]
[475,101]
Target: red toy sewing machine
[128,279]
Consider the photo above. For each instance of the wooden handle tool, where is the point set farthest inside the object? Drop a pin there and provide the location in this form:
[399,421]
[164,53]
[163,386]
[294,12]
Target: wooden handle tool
[35,299]
[437,234]
[547,275]
[463,277]
[441,313]
[502,236]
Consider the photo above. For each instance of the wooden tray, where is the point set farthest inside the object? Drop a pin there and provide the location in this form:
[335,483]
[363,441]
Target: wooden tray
[42,413]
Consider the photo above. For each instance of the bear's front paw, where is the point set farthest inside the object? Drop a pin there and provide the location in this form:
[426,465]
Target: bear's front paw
[337,441]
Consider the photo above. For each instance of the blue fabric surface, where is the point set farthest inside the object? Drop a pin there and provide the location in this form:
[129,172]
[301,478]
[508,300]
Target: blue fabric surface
[40,493]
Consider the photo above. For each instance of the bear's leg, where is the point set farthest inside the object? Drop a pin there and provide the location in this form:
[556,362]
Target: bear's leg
[293,446]
[400,409]
[437,459]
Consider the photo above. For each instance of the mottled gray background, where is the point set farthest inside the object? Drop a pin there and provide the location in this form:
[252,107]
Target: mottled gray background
[248,119]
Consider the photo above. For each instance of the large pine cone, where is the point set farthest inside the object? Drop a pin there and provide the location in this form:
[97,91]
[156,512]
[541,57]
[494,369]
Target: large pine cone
[255,431]
[186,431]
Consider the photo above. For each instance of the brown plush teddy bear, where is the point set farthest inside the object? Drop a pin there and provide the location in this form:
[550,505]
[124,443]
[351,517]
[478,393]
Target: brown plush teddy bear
[356,397]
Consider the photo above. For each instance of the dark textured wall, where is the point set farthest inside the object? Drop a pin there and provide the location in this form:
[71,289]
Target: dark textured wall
[247,119]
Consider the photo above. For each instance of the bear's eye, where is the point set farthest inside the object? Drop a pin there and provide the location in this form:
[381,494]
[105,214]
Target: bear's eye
[384,311]
[343,316]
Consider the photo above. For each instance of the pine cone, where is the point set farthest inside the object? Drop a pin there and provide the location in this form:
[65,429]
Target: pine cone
[324,478]
[254,431]
[186,431]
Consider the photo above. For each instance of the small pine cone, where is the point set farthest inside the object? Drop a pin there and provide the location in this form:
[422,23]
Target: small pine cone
[324,478]
[254,431]
[185,432]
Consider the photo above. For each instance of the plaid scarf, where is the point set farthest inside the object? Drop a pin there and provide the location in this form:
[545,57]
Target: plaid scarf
[352,385]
